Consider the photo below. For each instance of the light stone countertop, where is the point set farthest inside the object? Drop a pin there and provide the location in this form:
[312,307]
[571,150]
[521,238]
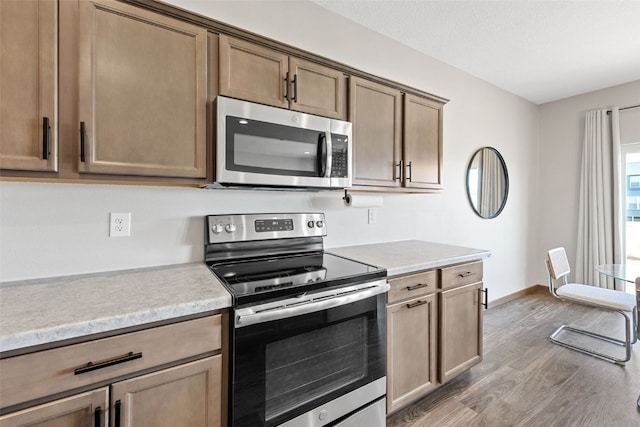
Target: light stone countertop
[43,311]
[409,256]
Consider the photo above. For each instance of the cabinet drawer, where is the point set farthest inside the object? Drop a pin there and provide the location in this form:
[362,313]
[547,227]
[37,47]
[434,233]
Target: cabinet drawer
[412,286]
[48,372]
[462,274]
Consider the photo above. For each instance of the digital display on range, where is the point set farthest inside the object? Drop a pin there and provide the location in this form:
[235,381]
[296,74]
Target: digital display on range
[263,225]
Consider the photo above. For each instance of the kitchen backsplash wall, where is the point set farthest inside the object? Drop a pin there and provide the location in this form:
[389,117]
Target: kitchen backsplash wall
[61,229]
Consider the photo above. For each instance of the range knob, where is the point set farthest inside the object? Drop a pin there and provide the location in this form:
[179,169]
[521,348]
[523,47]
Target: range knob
[311,224]
[217,228]
[319,224]
[230,228]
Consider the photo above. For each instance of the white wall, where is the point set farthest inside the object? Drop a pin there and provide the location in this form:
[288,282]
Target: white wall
[60,229]
[561,140]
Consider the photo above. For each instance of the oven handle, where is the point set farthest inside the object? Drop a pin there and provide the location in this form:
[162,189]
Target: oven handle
[254,315]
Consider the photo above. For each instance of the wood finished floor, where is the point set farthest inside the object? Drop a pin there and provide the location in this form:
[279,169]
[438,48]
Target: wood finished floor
[525,380]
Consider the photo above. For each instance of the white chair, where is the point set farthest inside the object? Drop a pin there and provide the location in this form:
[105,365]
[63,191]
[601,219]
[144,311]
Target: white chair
[607,299]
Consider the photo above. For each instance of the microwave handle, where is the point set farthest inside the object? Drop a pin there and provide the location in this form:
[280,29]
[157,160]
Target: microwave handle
[329,155]
[324,155]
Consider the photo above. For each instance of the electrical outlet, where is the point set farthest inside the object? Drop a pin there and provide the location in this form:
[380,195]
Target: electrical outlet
[373,216]
[119,224]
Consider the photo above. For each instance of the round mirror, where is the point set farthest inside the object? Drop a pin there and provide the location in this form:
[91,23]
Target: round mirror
[487,182]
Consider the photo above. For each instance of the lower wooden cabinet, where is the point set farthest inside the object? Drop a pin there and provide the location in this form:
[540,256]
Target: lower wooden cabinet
[411,350]
[434,330]
[186,395]
[88,409]
[460,330]
[164,376]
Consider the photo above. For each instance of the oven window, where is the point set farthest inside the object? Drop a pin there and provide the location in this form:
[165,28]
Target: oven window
[302,368]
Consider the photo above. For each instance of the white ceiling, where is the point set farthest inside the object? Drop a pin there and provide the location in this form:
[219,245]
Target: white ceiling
[541,50]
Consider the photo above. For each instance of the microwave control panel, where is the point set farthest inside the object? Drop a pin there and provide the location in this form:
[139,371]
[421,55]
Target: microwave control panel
[339,156]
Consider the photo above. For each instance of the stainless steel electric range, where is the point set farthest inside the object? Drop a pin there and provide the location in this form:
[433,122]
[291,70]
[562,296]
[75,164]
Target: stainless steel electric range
[308,328]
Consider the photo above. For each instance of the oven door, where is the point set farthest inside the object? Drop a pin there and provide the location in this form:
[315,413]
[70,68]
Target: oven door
[321,362]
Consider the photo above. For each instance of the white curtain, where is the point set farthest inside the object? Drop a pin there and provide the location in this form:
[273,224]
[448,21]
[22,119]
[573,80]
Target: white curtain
[600,219]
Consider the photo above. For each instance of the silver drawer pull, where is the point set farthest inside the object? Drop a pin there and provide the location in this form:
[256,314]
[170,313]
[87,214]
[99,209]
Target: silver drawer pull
[93,366]
[418,286]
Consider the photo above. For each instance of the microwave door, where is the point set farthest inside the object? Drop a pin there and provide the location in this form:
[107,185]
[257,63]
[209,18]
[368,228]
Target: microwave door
[265,154]
[258,145]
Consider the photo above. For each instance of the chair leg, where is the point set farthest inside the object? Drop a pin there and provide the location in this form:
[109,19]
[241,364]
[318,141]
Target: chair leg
[634,313]
[626,343]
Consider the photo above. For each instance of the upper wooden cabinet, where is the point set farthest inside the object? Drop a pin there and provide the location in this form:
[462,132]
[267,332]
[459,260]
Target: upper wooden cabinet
[317,89]
[252,72]
[142,92]
[259,74]
[95,90]
[422,139]
[395,148]
[28,85]
[376,112]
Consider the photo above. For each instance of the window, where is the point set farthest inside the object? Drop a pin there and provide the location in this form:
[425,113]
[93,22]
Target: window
[631,170]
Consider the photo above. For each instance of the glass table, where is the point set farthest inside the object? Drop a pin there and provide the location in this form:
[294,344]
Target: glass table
[626,273]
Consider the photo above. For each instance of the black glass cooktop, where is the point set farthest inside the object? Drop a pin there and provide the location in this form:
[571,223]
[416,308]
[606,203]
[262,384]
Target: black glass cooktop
[263,279]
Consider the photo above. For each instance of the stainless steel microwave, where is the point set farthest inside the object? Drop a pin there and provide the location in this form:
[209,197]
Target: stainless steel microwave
[258,145]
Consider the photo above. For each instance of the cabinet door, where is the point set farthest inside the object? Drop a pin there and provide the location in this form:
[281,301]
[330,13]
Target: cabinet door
[28,85]
[460,330]
[318,90]
[142,92]
[253,73]
[375,111]
[82,410]
[411,350]
[422,143]
[188,395]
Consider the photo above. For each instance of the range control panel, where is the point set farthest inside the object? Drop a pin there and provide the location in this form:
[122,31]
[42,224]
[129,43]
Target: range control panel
[248,227]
